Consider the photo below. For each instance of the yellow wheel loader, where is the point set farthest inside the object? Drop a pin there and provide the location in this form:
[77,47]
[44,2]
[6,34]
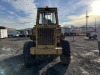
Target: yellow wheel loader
[47,39]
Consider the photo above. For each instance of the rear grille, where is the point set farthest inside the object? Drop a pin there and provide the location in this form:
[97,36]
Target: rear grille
[45,36]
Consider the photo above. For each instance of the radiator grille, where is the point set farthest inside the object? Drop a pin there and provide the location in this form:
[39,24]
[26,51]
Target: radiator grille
[45,36]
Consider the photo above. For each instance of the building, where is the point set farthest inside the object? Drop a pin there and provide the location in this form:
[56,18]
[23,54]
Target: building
[3,32]
[90,29]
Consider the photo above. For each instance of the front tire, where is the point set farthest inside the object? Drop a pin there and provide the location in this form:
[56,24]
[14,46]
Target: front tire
[28,58]
[65,57]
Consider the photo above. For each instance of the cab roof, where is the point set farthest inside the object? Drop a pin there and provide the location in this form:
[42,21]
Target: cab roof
[52,9]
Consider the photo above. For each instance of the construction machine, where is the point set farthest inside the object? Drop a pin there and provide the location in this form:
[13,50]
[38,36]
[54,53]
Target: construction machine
[47,39]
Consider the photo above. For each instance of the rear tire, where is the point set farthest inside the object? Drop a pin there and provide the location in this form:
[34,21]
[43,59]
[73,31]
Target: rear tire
[95,37]
[28,58]
[65,57]
[90,37]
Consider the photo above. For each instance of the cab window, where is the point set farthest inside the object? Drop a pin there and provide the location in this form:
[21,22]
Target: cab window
[47,18]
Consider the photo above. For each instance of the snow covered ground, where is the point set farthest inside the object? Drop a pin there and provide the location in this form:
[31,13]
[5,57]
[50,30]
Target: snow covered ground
[84,59]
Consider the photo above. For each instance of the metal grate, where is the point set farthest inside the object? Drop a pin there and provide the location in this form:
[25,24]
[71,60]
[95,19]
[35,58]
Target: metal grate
[45,36]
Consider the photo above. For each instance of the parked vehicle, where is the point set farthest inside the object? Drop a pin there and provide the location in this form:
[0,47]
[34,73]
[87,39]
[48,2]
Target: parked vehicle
[91,35]
[70,31]
[13,33]
[23,33]
[70,34]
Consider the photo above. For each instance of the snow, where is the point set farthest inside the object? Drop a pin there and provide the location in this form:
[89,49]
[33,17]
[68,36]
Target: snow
[83,71]
[6,49]
[85,38]
[95,50]
[87,54]
[3,55]
[97,60]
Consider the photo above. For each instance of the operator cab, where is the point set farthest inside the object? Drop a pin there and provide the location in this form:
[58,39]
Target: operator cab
[47,16]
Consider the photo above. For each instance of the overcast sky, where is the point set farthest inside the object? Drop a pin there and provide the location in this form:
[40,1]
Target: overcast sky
[22,13]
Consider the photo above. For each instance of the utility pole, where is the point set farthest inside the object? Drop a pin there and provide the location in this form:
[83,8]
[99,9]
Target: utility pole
[95,24]
[87,21]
